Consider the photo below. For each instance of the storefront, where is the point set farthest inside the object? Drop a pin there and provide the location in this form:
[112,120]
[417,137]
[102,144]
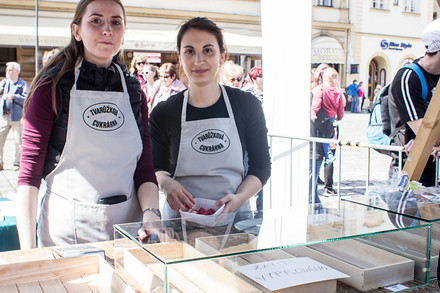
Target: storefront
[382,56]
[328,50]
[150,35]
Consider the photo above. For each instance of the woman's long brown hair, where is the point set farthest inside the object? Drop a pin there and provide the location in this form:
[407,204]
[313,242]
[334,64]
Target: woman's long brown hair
[68,57]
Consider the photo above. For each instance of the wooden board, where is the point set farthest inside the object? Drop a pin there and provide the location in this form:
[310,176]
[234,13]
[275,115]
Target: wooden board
[425,139]
[77,274]
[195,276]
[376,268]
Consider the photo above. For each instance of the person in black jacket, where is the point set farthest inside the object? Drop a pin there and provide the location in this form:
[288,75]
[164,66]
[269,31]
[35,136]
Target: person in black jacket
[86,134]
[406,104]
[199,136]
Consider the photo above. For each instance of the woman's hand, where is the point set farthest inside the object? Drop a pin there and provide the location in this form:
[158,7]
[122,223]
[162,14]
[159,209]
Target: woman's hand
[177,196]
[154,232]
[435,150]
[408,146]
[232,203]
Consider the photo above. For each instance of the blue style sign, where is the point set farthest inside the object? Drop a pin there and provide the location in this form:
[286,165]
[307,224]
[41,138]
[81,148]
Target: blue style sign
[390,45]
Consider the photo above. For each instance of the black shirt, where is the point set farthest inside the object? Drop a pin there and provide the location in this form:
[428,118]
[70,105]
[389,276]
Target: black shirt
[165,129]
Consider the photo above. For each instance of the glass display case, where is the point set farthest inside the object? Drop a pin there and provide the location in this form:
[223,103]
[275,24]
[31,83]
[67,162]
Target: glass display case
[406,209]
[182,255]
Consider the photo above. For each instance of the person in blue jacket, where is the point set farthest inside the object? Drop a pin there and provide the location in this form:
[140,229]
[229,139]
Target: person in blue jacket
[352,94]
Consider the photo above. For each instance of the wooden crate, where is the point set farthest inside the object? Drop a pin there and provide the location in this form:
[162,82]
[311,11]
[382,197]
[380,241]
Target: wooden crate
[191,277]
[412,246]
[77,274]
[368,267]
[226,244]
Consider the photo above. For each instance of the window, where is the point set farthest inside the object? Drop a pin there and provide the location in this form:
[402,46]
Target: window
[396,3]
[354,68]
[406,61]
[383,76]
[327,3]
[379,4]
[411,6]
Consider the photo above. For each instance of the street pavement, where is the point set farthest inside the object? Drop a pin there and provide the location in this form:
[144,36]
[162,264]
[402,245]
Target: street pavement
[8,177]
[353,165]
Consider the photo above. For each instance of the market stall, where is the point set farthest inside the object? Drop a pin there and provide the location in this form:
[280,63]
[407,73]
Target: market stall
[334,248]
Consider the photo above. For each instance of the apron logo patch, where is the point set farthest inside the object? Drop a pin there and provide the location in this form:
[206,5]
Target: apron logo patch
[103,117]
[211,141]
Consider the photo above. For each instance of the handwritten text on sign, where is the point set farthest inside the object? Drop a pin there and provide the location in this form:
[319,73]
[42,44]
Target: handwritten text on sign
[289,272]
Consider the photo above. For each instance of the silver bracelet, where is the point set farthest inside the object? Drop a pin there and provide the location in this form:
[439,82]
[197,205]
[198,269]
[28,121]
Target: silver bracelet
[156,211]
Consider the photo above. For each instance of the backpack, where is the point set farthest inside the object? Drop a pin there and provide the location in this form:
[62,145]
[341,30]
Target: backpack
[379,126]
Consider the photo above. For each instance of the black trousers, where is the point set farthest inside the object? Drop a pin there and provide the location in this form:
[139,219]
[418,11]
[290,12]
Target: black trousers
[328,174]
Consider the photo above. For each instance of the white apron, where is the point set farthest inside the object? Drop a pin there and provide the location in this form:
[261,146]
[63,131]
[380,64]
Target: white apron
[103,145]
[210,160]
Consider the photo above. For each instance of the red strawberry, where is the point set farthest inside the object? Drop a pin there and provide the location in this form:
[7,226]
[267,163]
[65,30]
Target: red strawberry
[201,211]
[210,211]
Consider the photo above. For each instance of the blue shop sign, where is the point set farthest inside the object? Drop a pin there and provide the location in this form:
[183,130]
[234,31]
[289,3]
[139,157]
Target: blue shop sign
[390,45]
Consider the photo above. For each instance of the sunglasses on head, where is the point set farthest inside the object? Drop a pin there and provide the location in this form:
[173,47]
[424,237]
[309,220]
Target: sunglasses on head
[141,62]
[233,79]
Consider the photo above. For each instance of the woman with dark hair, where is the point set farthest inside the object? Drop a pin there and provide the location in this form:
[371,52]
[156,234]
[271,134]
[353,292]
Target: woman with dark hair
[170,84]
[199,136]
[86,133]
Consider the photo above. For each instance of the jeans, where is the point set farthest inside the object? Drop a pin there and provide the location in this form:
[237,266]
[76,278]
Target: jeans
[354,102]
[317,169]
[326,146]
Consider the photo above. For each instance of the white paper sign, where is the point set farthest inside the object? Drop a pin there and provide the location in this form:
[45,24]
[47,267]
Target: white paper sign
[396,288]
[289,272]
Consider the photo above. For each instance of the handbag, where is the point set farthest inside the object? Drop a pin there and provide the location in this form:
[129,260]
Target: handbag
[324,124]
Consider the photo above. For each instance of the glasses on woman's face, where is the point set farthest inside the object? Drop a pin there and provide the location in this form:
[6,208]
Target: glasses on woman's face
[141,63]
[165,76]
[233,79]
[145,72]
[260,76]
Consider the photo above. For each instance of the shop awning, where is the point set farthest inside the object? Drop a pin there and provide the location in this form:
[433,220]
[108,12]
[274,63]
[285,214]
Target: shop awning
[327,50]
[137,40]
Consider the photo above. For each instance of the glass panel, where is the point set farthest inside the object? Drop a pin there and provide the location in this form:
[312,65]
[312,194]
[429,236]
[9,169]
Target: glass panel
[332,237]
[406,209]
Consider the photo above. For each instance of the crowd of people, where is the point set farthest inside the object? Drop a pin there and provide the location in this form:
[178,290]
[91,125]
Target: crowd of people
[327,103]
[407,102]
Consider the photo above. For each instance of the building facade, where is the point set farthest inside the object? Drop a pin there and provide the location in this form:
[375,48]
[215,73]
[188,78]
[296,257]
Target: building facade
[364,40]
[369,40]
[151,29]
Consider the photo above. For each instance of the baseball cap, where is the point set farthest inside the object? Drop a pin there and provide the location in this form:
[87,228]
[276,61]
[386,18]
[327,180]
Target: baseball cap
[431,36]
